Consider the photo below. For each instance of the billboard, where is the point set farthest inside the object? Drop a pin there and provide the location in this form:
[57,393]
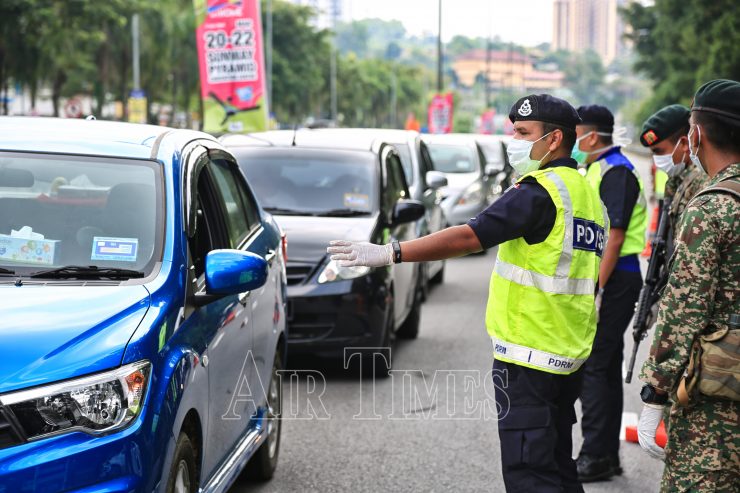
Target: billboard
[231,60]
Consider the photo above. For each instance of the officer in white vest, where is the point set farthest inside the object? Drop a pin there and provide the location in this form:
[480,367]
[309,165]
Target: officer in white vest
[551,228]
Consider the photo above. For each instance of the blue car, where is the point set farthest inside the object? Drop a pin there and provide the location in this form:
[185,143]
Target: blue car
[142,311]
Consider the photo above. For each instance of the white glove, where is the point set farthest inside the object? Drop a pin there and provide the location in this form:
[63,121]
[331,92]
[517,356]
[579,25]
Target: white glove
[359,254]
[649,421]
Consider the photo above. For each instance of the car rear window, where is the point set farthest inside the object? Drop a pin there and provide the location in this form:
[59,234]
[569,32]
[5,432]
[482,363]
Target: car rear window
[308,181]
[453,158]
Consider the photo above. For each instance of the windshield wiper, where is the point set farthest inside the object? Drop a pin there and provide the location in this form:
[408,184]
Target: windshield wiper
[343,213]
[287,212]
[7,271]
[87,272]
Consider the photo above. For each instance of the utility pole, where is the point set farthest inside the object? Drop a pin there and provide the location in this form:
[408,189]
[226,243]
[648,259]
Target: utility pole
[135,50]
[268,55]
[440,81]
[394,99]
[333,64]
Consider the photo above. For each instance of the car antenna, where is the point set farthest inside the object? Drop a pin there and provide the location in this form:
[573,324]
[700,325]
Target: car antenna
[295,132]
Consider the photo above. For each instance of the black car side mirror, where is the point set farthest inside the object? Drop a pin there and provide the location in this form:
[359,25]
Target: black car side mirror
[406,211]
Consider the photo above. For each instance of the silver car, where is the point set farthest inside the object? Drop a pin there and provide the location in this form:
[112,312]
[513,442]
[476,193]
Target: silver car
[469,187]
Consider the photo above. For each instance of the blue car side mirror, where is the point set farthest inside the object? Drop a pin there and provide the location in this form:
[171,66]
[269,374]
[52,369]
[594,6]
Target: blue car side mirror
[234,271]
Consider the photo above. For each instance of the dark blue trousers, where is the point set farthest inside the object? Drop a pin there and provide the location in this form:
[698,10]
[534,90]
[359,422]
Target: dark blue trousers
[602,398]
[535,428]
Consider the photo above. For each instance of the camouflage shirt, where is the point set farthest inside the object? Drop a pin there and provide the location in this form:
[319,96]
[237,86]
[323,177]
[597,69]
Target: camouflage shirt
[682,189]
[704,284]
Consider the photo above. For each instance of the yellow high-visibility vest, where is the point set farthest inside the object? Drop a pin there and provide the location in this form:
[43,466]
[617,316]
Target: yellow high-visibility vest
[541,310]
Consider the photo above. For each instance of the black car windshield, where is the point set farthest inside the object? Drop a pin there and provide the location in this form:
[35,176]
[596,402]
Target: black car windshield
[449,158]
[61,210]
[311,181]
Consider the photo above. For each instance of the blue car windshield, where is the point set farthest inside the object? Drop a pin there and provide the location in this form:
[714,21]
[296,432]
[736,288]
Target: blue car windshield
[311,181]
[453,158]
[61,210]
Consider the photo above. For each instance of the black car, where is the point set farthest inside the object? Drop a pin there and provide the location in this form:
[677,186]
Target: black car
[320,189]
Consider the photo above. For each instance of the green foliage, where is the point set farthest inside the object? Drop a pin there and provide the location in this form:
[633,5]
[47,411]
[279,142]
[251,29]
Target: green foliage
[84,47]
[681,44]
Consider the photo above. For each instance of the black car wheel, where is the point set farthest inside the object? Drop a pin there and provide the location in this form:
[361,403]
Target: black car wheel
[410,327]
[439,277]
[263,463]
[183,477]
[375,366]
[425,281]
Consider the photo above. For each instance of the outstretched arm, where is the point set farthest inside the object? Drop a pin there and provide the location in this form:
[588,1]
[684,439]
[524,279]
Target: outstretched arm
[448,243]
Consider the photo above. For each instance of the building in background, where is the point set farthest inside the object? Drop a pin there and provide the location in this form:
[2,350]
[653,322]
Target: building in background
[579,25]
[504,70]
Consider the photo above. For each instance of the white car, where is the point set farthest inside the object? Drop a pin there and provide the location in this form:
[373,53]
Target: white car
[461,159]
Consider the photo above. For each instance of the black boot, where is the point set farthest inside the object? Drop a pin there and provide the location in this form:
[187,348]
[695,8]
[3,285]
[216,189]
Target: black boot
[594,468]
[616,466]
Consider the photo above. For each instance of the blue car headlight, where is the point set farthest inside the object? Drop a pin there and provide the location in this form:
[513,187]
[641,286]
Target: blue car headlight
[334,272]
[95,404]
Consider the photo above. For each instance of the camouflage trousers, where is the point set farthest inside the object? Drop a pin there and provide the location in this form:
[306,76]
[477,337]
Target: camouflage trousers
[703,450]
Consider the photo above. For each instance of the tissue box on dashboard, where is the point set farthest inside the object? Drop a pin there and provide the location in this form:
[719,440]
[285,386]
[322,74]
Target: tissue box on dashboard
[28,251]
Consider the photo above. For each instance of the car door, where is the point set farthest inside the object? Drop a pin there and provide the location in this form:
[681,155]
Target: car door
[432,198]
[265,303]
[486,180]
[404,274]
[226,322]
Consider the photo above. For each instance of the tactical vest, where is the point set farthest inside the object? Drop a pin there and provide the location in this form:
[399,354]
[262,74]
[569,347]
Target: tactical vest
[634,241]
[541,310]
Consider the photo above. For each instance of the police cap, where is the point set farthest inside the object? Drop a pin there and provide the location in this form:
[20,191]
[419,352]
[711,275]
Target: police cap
[598,116]
[545,108]
[720,97]
[664,124]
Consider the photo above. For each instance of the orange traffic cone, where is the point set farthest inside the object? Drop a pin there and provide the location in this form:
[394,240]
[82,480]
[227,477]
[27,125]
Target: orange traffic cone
[661,438]
[652,228]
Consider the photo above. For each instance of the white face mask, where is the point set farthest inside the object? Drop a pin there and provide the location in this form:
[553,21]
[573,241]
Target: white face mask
[519,150]
[666,163]
[694,153]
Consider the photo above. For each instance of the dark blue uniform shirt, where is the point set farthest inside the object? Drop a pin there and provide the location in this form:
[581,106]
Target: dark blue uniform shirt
[524,210]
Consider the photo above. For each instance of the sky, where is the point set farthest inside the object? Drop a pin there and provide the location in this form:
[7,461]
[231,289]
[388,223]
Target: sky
[525,22]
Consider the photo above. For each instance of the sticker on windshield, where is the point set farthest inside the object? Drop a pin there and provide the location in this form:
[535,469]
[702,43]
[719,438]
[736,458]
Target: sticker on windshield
[118,249]
[357,201]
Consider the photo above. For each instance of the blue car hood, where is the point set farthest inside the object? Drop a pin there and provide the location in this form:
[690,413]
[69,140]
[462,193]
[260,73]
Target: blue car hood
[53,332]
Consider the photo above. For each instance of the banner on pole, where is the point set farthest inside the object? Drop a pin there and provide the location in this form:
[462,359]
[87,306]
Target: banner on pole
[232,79]
[137,106]
[488,122]
[440,114]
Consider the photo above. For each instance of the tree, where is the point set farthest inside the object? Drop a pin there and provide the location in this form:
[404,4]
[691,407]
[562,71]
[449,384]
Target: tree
[681,44]
[300,63]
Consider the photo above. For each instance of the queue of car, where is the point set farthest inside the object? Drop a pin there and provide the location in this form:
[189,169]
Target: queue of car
[146,281]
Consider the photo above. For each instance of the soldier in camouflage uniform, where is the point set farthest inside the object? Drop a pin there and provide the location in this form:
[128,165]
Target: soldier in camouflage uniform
[703,450]
[665,133]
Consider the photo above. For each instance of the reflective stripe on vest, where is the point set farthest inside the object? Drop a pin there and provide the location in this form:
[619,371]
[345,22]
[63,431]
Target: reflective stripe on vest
[534,357]
[560,283]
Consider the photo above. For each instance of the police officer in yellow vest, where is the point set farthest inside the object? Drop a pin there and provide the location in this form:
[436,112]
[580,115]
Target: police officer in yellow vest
[551,228]
[616,180]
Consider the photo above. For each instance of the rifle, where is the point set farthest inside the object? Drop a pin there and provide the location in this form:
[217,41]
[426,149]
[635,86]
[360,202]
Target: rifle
[654,282]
